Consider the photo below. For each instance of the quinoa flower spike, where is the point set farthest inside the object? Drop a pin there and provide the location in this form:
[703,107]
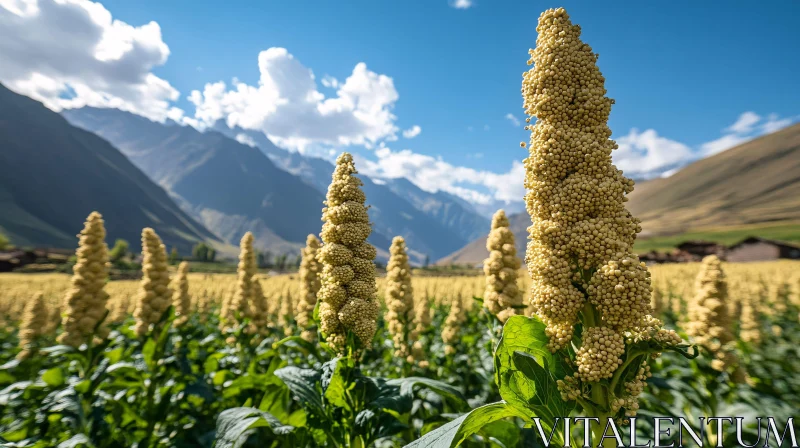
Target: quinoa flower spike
[32,327]
[86,301]
[348,291]
[400,301]
[579,256]
[309,286]
[155,294]
[502,297]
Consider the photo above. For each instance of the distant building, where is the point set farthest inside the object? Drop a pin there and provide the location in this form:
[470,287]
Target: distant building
[700,249]
[762,249]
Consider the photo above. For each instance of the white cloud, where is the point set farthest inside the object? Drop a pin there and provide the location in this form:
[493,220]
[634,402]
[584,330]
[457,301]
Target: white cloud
[723,143]
[745,123]
[412,132]
[748,126]
[434,174]
[774,123]
[72,53]
[330,82]
[288,108]
[510,117]
[642,153]
[246,140]
[646,154]
[462,4]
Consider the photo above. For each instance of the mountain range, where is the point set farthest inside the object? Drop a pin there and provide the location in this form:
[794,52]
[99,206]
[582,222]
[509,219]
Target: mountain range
[230,187]
[54,174]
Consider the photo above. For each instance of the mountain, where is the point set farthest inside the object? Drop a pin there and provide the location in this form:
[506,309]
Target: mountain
[453,212]
[55,174]
[756,182]
[239,181]
[475,252]
[230,187]
[448,211]
[433,224]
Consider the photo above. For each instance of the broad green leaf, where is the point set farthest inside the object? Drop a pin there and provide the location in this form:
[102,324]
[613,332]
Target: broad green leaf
[53,377]
[233,424]
[447,391]
[523,385]
[78,440]
[453,433]
[333,382]
[303,383]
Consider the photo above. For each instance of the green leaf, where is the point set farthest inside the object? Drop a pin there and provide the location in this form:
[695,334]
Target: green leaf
[304,386]
[78,440]
[453,433]
[234,424]
[334,383]
[407,385]
[525,370]
[53,377]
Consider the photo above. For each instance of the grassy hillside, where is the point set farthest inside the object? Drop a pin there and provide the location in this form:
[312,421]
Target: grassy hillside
[54,175]
[754,183]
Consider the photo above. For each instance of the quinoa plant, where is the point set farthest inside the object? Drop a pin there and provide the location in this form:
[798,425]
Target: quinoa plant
[586,350]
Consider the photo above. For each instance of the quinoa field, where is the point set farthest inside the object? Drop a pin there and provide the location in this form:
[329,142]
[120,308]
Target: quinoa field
[340,355]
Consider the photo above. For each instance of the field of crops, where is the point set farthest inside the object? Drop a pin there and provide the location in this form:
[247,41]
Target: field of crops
[172,390]
[338,356]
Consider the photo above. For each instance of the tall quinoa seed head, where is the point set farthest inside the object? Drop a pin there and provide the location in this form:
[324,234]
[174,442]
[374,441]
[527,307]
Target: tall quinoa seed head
[85,303]
[34,323]
[399,299]
[309,286]
[579,253]
[502,297]
[155,295]
[240,303]
[348,270]
[709,322]
[181,299]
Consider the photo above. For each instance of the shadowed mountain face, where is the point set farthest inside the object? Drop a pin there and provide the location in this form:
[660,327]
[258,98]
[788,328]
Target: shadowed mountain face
[229,186]
[756,182]
[433,224]
[54,175]
[233,187]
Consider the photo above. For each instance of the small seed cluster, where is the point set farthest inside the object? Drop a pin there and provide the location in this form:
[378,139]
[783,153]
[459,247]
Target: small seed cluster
[309,286]
[452,325]
[399,299]
[155,295]
[599,355]
[709,322]
[348,270]
[85,302]
[241,302]
[503,297]
[33,326]
[181,300]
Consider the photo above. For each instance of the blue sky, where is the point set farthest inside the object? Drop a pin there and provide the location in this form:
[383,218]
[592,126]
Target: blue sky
[683,71]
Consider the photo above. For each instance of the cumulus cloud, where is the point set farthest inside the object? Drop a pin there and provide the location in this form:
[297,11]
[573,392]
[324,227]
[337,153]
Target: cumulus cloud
[647,154]
[641,154]
[412,132]
[510,117]
[287,106]
[462,4]
[434,174]
[72,53]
